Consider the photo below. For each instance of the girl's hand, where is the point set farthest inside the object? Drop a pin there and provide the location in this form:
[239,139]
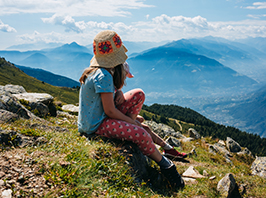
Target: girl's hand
[119,97]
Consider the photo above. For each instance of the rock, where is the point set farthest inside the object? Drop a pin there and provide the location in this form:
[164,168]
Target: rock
[39,109]
[258,167]
[205,173]
[226,185]
[71,108]
[193,133]
[192,173]
[40,103]
[13,89]
[12,138]
[185,139]
[245,151]
[212,177]
[173,142]
[232,145]
[2,183]
[10,103]
[35,97]
[7,116]
[7,193]
[193,151]
[163,130]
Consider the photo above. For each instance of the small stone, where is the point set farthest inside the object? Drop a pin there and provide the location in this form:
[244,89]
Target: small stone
[7,193]
[2,183]
[212,177]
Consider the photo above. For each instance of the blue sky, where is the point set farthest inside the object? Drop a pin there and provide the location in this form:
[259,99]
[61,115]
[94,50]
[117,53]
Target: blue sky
[65,21]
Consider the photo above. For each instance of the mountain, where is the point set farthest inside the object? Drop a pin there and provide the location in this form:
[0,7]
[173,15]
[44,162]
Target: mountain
[252,112]
[257,42]
[34,46]
[242,58]
[68,60]
[49,77]
[168,72]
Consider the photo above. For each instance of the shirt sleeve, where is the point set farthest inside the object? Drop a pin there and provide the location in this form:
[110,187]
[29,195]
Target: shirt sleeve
[103,82]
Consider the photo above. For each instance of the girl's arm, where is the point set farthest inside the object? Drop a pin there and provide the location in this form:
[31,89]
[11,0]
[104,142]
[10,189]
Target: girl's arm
[111,111]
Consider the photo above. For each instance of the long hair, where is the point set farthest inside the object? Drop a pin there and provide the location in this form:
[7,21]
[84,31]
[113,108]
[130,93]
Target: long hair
[87,71]
[118,73]
[119,76]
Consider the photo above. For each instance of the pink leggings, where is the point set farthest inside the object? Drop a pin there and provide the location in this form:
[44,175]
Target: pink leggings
[118,129]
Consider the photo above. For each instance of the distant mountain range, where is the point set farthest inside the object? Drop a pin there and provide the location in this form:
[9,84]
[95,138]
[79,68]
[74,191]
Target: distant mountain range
[49,77]
[214,76]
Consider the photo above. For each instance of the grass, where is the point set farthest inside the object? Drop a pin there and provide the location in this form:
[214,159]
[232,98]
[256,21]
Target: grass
[76,167]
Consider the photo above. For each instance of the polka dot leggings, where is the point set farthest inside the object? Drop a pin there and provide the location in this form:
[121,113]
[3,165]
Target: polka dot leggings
[118,129]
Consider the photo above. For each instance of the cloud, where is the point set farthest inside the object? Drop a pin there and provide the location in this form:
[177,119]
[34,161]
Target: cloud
[160,28]
[52,37]
[67,21]
[72,7]
[257,5]
[6,28]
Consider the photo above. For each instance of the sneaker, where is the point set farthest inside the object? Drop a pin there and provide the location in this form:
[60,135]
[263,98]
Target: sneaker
[174,153]
[173,177]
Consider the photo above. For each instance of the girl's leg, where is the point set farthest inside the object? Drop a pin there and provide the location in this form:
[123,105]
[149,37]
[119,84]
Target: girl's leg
[112,128]
[118,129]
[134,100]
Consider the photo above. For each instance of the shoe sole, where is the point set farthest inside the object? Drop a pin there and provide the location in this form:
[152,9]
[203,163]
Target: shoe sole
[173,156]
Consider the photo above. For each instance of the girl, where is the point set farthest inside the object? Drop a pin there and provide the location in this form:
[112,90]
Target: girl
[98,113]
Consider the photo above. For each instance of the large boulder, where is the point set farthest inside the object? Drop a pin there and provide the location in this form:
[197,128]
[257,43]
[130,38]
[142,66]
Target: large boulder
[13,89]
[9,103]
[35,97]
[232,145]
[193,133]
[226,185]
[7,116]
[40,103]
[258,167]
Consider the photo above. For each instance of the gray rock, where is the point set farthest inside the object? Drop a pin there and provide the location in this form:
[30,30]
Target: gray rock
[7,116]
[245,151]
[232,145]
[193,133]
[35,97]
[173,142]
[10,103]
[13,89]
[258,167]
[7,193]
[226,185]
[39,109]
[163,130]
[70,107]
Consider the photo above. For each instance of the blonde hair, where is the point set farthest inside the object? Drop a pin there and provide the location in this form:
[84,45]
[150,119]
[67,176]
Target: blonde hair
[118,72]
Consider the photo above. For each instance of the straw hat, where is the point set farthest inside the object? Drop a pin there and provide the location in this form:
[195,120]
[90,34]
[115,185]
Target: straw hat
[108,49]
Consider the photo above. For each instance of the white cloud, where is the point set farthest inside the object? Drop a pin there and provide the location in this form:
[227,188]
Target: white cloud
[67,21]
[52,37]
[160,28]
[6,28]
[72,7]
[257,5]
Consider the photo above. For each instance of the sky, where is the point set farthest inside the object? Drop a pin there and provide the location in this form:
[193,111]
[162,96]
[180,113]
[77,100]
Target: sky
[66,21]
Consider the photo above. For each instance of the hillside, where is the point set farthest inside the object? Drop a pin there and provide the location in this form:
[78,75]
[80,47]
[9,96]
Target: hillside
[9,74]
[209,128]
[48,158]
[48,77]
